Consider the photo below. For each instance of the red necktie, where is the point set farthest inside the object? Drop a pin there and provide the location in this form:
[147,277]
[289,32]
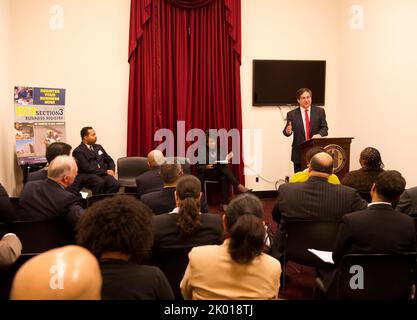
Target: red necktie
[307,125]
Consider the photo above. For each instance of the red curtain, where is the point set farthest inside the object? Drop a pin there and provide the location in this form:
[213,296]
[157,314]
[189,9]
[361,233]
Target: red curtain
[184,60]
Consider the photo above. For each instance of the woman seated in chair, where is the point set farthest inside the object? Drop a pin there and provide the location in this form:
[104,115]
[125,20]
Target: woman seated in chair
[237,269]
[118,231]
[213,170]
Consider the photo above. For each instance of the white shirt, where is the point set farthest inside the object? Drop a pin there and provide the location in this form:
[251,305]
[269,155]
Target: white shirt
[303,114]
[374,203]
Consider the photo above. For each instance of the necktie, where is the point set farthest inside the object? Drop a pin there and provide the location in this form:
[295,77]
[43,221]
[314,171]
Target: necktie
[307,125]
[91,148]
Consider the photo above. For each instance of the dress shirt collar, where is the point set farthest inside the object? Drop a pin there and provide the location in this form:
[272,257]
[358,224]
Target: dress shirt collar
[379,203]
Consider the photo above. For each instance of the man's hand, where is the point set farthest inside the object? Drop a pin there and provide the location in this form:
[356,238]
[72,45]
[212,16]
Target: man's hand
[110,173]
[316,136]
[289,128]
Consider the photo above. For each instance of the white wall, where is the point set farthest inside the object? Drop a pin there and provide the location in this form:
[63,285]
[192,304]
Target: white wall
[88,57]
[282,29]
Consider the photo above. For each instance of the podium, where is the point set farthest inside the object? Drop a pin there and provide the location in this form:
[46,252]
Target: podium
[338,148]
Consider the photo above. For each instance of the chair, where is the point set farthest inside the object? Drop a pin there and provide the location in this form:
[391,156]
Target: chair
[128,168]
[40,236]
[185,163]
[375,277]
[93,199]
[173,264]
[304,235]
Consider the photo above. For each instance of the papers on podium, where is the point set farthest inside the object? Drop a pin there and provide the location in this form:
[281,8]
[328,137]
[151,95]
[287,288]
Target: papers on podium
[326,256]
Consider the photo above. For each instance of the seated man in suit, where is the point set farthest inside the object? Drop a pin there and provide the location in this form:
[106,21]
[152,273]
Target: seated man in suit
[376,229]
[47,199]
[52,151]
[313,200]
[7,213]
[66,273]
[10,250]
[96,169]
[408,202]
[151,180]
[163,201]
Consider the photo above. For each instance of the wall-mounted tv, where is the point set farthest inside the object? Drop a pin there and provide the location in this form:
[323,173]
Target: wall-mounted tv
[275,82]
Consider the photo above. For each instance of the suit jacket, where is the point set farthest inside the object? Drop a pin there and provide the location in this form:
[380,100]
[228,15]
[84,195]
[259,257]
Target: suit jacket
[362,179]
[313,200]
[149,181]
[93,162]
[318,125]
[212,274]
[377,229]
[10,250]
[163,201]
[167,235]
[47,200]
[41,174]
[408,202]
[7,213]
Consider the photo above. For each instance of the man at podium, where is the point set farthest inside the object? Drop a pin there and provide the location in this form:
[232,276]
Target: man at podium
[306,122]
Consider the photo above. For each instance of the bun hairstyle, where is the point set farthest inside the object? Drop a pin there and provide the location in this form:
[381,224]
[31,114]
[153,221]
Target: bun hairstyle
[188,217]
[372,158]
[244,222]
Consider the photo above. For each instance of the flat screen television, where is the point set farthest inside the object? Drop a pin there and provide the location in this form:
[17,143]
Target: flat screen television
[275,82]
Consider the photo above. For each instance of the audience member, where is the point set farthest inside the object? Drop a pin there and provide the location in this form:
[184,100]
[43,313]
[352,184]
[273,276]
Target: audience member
[376,229]
[7,213]
[53,150]
[150,180]
[118,231]
[408,202]
[185,226]
[47,199]
[302,176]
[313,200]
[237,269]
[96,167]
[371,166]
[66,273]
[10,250]
[163,201]
[210,170]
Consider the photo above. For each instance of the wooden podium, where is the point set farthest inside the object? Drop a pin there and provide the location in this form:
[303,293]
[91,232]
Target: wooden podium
[339,149]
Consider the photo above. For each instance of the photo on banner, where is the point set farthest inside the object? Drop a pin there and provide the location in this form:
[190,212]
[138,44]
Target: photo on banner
[39,121]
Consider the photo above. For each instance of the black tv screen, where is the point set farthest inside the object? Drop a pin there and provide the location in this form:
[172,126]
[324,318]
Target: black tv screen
[275,82]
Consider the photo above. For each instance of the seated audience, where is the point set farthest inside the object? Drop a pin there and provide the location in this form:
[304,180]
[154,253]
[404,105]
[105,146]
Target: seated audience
[185,226]
[52,151]
[96,169]
[66,273]
[47,199]
[210,170]
[313,200]
[118,231]
[376,229]
[10,250]
[237,269]
[302,176]
[150,180]
[163,201]
[7,213]
[408,202]
[371,166]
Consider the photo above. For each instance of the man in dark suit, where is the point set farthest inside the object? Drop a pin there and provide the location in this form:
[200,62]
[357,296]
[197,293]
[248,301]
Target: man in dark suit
[7,213]
[96,169]
[53,150]
[376,229]
[150,180]
[163,201]
[408,202]
[313,200]
[306,122]
[47,199]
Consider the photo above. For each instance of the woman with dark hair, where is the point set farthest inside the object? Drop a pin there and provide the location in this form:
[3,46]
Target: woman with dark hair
[237,269]
[185,226]
[118,231]
[371,166]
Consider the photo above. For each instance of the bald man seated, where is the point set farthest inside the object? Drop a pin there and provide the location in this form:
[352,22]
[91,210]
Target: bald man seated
[66,273]
[151,180]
